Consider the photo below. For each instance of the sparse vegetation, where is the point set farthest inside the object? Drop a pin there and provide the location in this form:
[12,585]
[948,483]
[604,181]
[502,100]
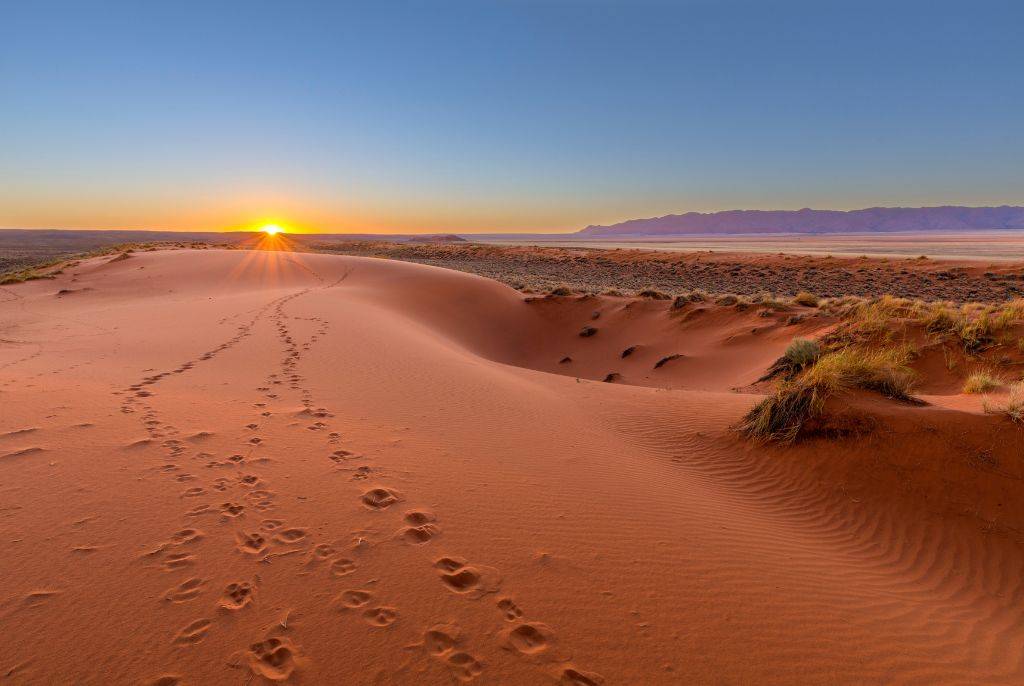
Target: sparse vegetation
[1012,406]
[801,352]
[981,381]
[652,294]
[806,299]
[781,416]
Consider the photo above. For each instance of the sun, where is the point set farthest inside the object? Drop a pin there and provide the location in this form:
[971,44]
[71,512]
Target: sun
[271,229]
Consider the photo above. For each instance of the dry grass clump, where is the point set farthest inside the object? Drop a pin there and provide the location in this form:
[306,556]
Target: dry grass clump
[561,291]
[726,300]
[653,294]
[806,299]
[23,275]
[781,416]
[769,301]
[1012,407]
[802,352]
[981,381]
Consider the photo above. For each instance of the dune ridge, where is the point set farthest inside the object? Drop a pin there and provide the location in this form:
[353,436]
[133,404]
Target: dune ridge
[232,463]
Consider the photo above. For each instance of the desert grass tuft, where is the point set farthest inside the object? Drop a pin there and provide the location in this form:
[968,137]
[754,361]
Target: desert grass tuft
[781,416]
[1012,407]
[806,299]
[981,381]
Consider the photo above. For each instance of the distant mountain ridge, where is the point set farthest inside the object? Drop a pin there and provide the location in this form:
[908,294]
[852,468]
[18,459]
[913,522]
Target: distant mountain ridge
[870,220]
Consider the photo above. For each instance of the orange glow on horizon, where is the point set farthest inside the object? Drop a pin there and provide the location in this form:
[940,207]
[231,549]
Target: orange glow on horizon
[271,229]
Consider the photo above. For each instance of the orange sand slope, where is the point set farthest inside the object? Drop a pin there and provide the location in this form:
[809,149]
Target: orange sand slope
[224,467]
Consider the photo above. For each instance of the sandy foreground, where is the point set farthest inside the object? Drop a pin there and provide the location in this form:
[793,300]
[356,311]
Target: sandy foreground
[228,467]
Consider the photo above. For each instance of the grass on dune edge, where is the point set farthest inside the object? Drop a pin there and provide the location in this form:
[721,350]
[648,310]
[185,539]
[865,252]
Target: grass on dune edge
[872,347]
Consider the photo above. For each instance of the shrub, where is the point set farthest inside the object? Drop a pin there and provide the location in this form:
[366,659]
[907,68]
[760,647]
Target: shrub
[726,300]
[802,352]
[884,371]
[561,290]
[780,417]
[981,381]
[806,299]
[653,294]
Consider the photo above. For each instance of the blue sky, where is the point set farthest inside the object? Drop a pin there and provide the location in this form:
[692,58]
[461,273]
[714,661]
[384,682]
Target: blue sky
[531,116]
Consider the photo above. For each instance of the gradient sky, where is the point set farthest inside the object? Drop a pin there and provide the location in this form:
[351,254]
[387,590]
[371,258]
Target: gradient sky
[500,116]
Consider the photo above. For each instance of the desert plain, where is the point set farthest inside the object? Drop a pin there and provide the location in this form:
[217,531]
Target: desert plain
[274,466]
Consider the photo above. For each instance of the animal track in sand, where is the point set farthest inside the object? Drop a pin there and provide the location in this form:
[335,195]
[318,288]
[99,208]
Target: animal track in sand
[271,524]
[193,492]
[231,510]
[380,498]
[165,680]
[185,591]
[175,561]
[237,595]
[571,676]
[342,567]
[342,455]
[419,517]
[252,543]
[36,598]
[289,536]
[321,553]
[509,609]
[186,536]
[381,616]
[441,639]
[531,640]
[473,581]
[193,633]
[464,666]
[353,598]
[418,535]
[274,658]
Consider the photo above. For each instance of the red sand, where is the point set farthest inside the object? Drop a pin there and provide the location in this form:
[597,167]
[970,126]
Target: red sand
[233,467]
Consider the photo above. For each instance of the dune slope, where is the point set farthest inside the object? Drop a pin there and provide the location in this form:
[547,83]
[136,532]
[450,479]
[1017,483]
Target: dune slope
[257,467]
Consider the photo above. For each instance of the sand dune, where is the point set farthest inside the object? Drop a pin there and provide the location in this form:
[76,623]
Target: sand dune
[245,467]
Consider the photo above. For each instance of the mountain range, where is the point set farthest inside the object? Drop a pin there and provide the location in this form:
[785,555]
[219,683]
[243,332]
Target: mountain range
[870,220]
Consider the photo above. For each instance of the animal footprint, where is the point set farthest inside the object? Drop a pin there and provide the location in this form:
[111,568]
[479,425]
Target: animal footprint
[274,659]
[441,639]
[509,609]
[321,553]
[464,666]
[237,595]
[342,567]
[353,598]
[290,535]
[185,591]
[175,561]
[419,534]
[472,581]
[531,640]
[381,616]
[186,536]
[253,543]
[380,498]
[571,676]
[193,633]
[231,510]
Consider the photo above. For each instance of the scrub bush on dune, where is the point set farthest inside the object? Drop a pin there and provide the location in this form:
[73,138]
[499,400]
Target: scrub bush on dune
[781,416]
